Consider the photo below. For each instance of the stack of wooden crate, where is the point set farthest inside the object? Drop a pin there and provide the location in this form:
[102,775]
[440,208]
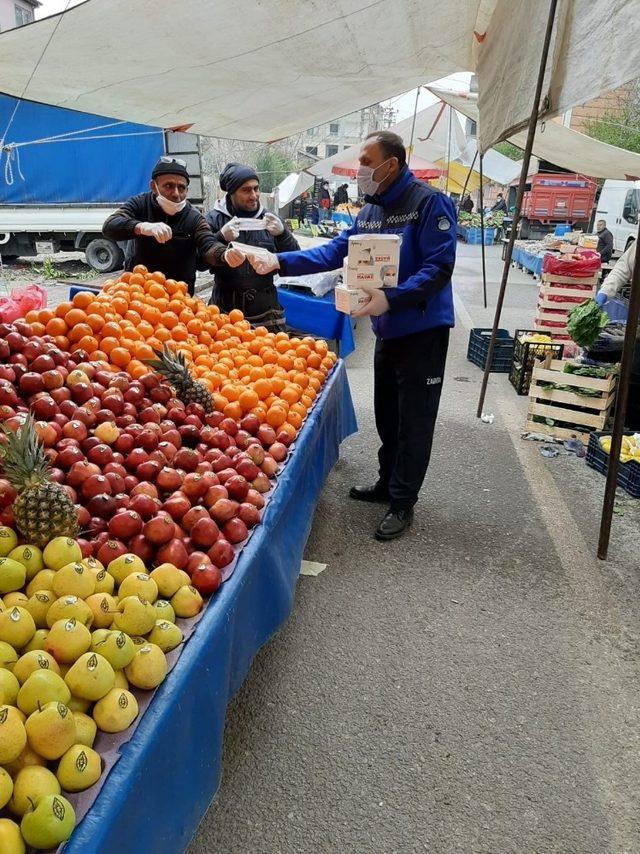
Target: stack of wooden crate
[573,414]
[557,296]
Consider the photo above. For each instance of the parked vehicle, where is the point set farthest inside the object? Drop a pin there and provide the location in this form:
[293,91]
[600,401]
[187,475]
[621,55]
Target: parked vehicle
[556,197]
[619,205]
[68,171]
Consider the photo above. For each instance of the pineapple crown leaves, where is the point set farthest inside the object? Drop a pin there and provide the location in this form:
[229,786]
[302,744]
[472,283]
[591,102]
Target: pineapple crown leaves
[22,456]
[166,359]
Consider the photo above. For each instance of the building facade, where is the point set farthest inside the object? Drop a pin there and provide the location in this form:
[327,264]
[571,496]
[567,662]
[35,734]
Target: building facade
[335,136]
[17,13]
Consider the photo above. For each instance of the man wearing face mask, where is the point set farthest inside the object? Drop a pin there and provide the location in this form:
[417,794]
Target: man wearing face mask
[238,215]
[164,231]
[411,322]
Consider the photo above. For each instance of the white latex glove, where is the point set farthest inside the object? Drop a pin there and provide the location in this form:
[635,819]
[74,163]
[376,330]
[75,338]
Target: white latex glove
[273,224]
[264,266]
[234,257]
[230,231]
[160,231]
[377,305]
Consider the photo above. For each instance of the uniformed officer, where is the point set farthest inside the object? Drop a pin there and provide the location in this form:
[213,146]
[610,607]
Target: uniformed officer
[411,322]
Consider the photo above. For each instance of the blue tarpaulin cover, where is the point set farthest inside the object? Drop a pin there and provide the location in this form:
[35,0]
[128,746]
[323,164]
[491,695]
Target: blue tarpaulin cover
[155,796]
[318,316]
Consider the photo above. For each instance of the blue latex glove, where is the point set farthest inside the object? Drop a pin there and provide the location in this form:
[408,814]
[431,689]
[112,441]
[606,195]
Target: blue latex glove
[600,299]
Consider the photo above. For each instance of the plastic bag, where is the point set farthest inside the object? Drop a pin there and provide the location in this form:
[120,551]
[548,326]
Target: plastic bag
[318,283]
[585,262]
[21,301]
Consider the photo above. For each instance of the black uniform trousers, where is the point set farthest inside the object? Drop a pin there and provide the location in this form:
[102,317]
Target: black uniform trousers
[408,376]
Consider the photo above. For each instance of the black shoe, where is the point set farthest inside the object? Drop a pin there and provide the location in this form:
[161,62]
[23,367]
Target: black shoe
[394,524]
[376,494]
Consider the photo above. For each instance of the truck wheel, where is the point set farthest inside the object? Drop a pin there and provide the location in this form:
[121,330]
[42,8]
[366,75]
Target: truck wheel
[104,255]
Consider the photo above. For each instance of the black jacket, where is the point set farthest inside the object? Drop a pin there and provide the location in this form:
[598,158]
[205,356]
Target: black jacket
[232,284]
[177,259]
[605,245]
[340,197]
[500,205]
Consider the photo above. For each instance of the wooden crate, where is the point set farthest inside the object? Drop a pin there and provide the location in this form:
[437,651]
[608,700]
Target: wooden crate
[592,412]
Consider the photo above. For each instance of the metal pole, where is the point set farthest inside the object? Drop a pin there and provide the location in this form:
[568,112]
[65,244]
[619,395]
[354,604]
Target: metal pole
[466,180]
[531,132]
[446,189]
[621,408]
[484,265]
[413,125]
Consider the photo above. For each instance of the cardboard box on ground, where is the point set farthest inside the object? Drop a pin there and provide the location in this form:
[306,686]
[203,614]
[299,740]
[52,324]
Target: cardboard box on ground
[372,261]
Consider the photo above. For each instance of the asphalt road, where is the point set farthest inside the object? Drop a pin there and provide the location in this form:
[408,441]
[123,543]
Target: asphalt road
[472,687]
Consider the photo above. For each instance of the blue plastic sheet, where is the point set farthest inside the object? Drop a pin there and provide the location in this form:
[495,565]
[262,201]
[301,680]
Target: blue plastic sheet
[156,794]
[528,260]
[318,316]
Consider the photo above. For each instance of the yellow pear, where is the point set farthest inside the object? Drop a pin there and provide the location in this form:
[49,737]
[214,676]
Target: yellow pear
[17,597]
[125,565]
[13,737]
[8,655]
[116,647]
[6,788]
[69,608]
[105,583]
[166,635]
[42,687]
[91,677]
[67,640]
[27,758]
[85,728]
[139,584]
[92,564]
[187,602]
[8,540]
[164,611]
[30,784]
[9,687]
[49,823]
[38,606]
[16,627]
[37,641]
[29,662]
[148,667]
[103,607]
[121,680]
[30,557]
[169,579]
[77,704]
[61,551]
[135,617]
[79,768]
[74,579]
[116,711]
[42,580]
[11,841]
[12,574]
[51,730]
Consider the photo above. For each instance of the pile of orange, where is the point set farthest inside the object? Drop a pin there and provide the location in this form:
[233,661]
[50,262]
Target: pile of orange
[247,369]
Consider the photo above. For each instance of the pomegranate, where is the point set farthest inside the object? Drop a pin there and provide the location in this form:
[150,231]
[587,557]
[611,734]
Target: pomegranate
[255,498]
[223,510]
[100,454]
[192,516]
[261,483]
[125,524]
[221,553]
[177,506]
[205,531]
[206,578]
[145,489]
[158,530]
[235,530]
[269,466]
[110,551]
[142,548]
[196,558]
[101,505]
[173,552]
[249,514]
[168,479]
[145,505]
[94,485]
[194,486]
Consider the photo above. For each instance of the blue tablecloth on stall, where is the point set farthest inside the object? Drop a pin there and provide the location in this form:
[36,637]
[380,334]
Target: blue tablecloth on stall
[318,316]
[157,792]
[528,260]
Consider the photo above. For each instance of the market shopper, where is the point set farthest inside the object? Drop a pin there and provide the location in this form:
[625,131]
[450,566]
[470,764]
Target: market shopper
[500,205]
[241,287]
[341,196]
[411,322]
[324,201]
[618,279]
[605,241]
[163,229]
[467,204]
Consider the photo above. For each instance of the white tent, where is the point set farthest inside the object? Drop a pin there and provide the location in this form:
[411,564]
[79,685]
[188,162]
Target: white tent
[291,187]
[263,71]
[559,144]
[495,166]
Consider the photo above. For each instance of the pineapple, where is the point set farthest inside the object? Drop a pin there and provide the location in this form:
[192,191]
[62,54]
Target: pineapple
[173,367]
[42,510]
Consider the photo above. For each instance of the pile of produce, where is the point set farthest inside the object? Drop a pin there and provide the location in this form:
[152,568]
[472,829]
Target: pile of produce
[141,433]
[585,322]
[472,220]
[630,449]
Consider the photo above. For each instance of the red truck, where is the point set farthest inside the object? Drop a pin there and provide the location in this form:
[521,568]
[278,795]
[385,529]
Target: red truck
[556,197]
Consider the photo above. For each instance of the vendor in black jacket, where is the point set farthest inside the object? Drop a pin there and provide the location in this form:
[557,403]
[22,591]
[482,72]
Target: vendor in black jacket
[242,287]
[164,231]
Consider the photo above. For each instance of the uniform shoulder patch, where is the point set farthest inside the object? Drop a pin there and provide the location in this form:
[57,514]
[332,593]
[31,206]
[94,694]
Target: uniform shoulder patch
[443,223]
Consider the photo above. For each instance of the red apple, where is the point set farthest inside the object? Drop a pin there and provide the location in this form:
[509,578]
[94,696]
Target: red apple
[221,553]
[206,578]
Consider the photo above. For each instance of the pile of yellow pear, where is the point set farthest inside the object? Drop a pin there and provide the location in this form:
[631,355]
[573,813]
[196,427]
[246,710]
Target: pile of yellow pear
[74,637]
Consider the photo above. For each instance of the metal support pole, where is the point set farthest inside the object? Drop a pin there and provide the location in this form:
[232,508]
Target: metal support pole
[621,408]
[413,125]
[446,189]
[466,180]
[531,132]
[484,265]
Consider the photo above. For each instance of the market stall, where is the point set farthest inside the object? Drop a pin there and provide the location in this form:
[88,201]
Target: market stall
[318,316]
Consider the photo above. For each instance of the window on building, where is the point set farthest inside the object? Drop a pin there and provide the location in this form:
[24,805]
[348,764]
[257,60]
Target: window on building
[334,128]
[344,147]
[23,15]
[313,131]
[312,149]
[331,150]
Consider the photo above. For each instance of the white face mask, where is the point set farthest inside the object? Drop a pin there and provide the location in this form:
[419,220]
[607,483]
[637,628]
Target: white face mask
[366,183]
[169,207]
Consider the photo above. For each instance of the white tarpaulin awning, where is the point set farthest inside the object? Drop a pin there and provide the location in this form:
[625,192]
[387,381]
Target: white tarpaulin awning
[244,70]
[495,166]
[430,139]
[560,145]
[292,186]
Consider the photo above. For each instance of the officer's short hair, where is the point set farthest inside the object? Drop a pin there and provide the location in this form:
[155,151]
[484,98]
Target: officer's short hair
[391,144]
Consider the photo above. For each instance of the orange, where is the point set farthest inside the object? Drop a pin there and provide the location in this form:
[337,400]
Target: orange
[38,328]
[137,279]
[289,429]
[276,416]
[78,331]
[141,269]
[163,334]
[108,344]
[119,305]
[295,419]
[157,276]
[169,319]
[75,315]
[82,300]
[143,351]
[120,356]
[61,342]
[248,399]
[95,322]
[88,343]
[56,326]
[235,315]
[45,315]
[233,410]
[63,308]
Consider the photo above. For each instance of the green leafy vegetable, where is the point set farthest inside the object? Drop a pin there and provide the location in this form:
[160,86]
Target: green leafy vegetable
[585,322]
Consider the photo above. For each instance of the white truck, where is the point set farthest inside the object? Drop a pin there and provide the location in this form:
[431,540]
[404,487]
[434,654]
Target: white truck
[619,205]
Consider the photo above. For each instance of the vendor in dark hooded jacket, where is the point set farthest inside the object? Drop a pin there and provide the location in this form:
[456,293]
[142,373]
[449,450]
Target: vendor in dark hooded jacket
[242,287]
[166,232]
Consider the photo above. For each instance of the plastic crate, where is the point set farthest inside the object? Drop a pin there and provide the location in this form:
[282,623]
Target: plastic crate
[473,236]
[616,308]
[525,355]
[628,473]
[479,347]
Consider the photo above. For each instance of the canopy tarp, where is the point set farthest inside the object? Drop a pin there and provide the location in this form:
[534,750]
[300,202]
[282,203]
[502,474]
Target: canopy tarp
[292,186]
[495,166]
[455,180]
[558,144]
[421,168]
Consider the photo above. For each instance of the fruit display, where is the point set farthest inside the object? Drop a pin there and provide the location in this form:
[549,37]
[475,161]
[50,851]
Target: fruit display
[629,450]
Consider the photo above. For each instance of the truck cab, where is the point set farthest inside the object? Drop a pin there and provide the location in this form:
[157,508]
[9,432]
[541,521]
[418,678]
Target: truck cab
[619,206]
[556,197]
